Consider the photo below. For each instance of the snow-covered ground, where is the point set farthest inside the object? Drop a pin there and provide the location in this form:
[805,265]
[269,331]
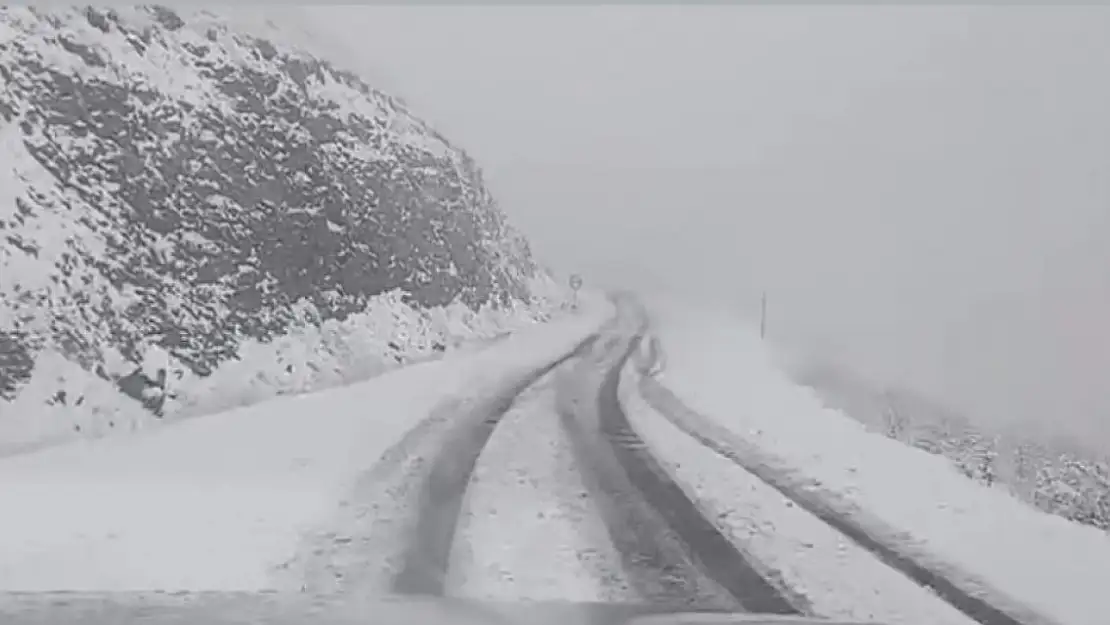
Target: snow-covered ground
[216,503]
[717,365]
[528,529]
[390,332]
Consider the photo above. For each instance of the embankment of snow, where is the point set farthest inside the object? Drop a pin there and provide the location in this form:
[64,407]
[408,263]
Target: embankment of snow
[1051,472]
[217,503]
[64,401]
[719,368]
[818,569]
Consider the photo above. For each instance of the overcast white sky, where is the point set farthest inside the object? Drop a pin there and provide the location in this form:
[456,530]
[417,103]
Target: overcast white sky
[924,190]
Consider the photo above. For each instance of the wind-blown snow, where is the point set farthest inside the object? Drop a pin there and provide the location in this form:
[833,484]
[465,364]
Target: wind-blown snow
[719,367]
[219,502]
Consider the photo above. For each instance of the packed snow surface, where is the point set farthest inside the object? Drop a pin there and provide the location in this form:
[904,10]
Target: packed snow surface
[717,364]
[216,502]
[529,529]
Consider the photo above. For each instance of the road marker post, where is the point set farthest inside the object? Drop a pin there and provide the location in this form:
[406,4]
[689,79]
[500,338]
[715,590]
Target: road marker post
[763,316]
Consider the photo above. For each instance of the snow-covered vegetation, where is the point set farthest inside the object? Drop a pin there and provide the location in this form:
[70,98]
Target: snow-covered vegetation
[63,401]
[918,507]
[1050,473]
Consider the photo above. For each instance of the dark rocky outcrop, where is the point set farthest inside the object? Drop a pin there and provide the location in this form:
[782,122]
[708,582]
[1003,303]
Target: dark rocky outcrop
[168,179]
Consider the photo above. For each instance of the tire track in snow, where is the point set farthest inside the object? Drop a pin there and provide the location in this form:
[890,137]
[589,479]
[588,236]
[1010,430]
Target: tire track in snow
[362,547]
[672,553]
[812,561]
[973,597]
[528,529]
[427,546]
[375,537]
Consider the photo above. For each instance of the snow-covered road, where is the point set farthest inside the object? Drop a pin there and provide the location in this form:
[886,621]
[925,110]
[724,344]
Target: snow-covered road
[229,501]
[529,528]
[540,468]
[502,486]
[996,558]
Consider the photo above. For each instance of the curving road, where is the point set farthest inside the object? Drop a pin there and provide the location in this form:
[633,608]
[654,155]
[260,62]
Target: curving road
[545,492]
[550,494]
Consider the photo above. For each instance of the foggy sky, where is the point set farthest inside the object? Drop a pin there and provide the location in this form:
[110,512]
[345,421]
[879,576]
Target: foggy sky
[924,192]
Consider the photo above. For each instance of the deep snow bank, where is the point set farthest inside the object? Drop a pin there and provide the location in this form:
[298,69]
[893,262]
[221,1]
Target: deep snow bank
[1053,473]
[219,503]
[67,402]
[719,367]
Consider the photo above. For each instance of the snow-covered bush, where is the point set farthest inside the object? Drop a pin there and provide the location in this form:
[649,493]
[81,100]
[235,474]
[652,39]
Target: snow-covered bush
[62,400]
[1051,475]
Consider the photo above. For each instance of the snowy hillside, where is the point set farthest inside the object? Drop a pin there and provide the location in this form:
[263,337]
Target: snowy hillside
[174,188]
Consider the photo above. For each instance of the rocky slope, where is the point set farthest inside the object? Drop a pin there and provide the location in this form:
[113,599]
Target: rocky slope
[170,181]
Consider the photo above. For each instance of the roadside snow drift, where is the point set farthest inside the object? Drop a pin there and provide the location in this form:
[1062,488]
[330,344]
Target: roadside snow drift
[816,566]
[64,401]
[719,367]
[217,502]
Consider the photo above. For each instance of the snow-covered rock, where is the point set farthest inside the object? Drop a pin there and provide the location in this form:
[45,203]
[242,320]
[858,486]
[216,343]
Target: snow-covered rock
[180,193]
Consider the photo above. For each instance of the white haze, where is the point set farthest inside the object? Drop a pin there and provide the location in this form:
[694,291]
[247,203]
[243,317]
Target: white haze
[924,192]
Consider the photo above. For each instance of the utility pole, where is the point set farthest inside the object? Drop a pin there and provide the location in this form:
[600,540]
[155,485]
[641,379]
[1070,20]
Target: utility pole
[763,316]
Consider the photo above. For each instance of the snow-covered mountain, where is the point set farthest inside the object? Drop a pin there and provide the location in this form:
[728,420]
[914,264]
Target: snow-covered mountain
[170,180]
